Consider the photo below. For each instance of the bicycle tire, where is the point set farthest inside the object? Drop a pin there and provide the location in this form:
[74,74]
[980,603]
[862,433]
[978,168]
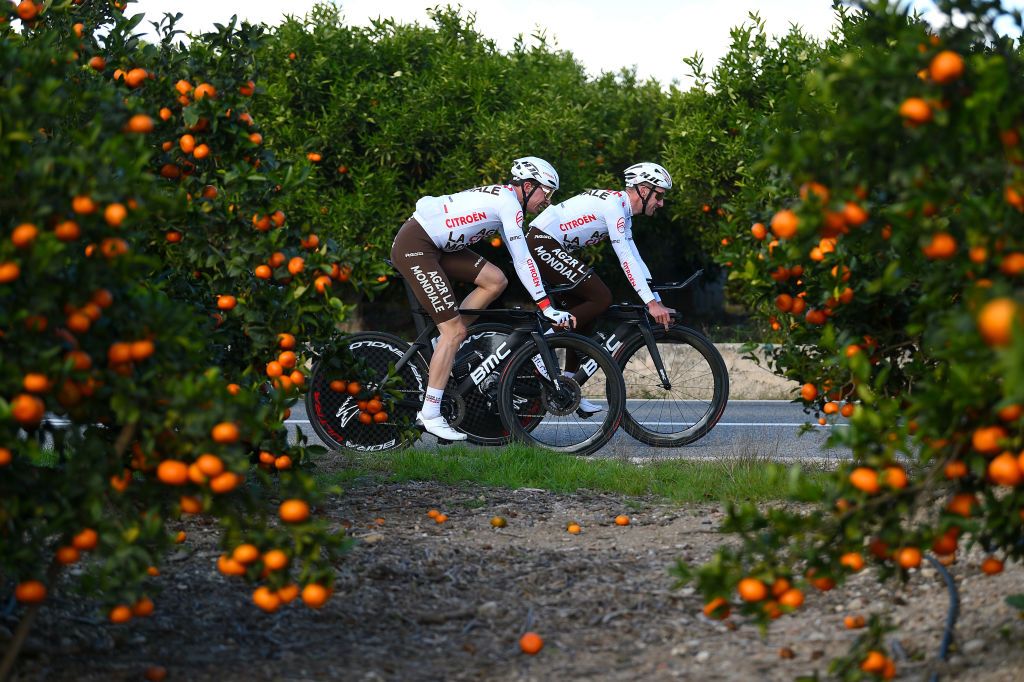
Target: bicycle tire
[521,391]
[698,377]
[333,415]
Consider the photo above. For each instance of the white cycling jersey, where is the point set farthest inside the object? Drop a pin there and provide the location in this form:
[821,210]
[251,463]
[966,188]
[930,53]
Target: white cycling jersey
[592,217]
[455,221]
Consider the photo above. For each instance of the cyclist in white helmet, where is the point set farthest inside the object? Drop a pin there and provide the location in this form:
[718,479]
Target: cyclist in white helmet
[588,219]
[430,251]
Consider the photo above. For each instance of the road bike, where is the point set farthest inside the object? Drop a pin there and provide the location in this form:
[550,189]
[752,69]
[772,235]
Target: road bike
[507,383]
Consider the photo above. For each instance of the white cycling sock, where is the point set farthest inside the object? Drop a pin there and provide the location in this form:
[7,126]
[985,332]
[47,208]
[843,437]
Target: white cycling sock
[432,403]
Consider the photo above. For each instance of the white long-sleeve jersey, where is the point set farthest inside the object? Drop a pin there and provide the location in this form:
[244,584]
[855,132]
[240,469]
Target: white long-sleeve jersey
[592,217]
[454,221]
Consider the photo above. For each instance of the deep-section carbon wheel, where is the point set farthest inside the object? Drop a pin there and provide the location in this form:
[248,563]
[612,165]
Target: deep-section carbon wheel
[698,393]
[480,419]
[546,413]
[366,359]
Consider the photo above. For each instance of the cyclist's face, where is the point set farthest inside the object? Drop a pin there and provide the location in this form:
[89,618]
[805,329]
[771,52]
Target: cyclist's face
[655,199]
[540,199]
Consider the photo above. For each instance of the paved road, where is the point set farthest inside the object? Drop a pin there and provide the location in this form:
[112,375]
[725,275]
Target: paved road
[748,428]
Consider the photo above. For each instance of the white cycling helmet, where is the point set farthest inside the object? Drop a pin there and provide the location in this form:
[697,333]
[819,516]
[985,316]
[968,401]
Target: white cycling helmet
[533,168]
[648,172]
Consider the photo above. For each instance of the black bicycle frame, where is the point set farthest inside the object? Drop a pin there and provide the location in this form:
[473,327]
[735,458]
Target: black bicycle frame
[480,372]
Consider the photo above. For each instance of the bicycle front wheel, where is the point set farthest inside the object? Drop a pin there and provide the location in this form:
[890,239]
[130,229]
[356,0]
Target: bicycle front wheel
[360,363]
[698,387]
[545,412]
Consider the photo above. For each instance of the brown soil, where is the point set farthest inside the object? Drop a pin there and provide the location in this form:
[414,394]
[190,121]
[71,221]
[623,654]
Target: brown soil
[420,601]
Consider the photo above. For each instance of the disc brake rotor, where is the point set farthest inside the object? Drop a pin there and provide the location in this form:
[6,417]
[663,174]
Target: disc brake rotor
[563,400]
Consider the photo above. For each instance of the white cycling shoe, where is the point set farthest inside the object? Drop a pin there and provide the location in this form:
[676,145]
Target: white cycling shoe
[588,409]
[437,426]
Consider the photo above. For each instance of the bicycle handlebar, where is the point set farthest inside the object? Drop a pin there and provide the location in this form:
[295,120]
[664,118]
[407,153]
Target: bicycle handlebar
[669,286]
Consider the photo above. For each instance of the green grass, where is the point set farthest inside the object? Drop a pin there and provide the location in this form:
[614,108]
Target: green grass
[744,478]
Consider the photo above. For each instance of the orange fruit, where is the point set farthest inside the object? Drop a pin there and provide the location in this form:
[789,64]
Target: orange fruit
[143,607]
[962,504]
[67,555]
[274,369]
[915,111]
[190,505]
[225,432]
[895,477]
[717,608]
[201,151]
[23,235]
[531,643]
[621,520]
[294,511]
[225,482]
[874,662]
[946,543]
[67,231]
[941,247]
[288,593]
[275,560]
[780,586]
[784,224]
[204,90]
[135,77]
[139,123]
[354,388]
[908,557]
[97,63]
[120,614]
[441,518]
[808,392]
[784,303]
[247,89]
[955,469]
[793,598]
[27,410]
[210,465]
[854,214]
[255,138]
[172,472]
[946,67]
[991,566]
[573,528]
[752,589]
[283,462]
[380,417]
[246,553]
[265,599]
[314,595]
[986,439]
[263,272]
[5,457]
[1010,413]
[30,592]
[1004,470]
[285,341]
[433,513]
[115,214]
[287,359]
[759,231]
[85,540]
[865,479]
[142,349]
[995,321]
[853,622]
[852,560]
[226,302]
[229,566]
[296,265]
[498,522]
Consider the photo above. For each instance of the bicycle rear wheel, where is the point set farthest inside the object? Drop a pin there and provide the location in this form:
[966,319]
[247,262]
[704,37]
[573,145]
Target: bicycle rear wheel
[481,421]
[545,413]
[698,395]
[335,416]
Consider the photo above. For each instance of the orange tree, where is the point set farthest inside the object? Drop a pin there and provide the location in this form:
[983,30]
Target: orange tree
[121,408]
[886,253]
[388,113]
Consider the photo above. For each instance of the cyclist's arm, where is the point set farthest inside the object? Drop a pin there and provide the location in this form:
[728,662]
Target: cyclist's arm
[636,272]
[522,259]
[646,271]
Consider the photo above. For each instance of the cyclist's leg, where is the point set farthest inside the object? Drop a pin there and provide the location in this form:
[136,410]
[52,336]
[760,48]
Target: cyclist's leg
[418,259]
[467,266]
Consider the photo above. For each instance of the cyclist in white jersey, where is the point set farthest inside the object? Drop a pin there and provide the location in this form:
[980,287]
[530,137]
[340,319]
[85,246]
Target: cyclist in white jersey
[431,246]
[590,218]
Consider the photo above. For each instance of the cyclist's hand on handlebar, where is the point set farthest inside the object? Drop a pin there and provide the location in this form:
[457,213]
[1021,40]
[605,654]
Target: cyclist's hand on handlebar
[560,318]
[660,313]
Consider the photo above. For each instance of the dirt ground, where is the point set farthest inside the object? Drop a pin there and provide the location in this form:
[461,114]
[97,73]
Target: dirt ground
[420,601]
